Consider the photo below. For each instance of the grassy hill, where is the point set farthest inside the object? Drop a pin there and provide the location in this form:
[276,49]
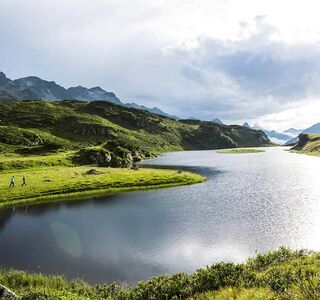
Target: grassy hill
[107,134]
[308,144]
[278,275]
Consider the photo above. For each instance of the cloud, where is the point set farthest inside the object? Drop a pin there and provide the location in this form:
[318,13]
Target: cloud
[252,76]
[211,58]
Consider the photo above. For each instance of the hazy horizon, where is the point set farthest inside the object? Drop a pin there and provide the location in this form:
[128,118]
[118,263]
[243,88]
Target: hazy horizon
[248,61]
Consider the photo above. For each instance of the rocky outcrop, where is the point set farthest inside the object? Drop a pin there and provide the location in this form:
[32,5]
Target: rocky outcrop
[93,156]
[308,143]
[6,294]
[117,157]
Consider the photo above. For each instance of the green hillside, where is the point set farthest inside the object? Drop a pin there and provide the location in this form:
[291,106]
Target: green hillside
[308,144]
[107,134]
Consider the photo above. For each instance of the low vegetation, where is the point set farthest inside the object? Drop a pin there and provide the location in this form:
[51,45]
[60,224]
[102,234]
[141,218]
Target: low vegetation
[280,275]
[308,144]
[243,150]
[47,184]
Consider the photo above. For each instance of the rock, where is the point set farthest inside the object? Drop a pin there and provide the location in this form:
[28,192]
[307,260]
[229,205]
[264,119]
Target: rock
[135,167]
[92,172]
[6,294]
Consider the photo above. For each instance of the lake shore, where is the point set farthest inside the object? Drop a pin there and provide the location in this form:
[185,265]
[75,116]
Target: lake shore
[60,183]
[280,274]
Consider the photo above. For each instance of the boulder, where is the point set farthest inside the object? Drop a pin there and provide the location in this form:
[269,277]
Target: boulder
[92,172]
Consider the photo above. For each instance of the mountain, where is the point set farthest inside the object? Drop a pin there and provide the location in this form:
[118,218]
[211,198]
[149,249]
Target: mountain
[94,130]
[246,124]
[6,97]
[277,137]
[314,129]
[52,91]
[154,110]
[14,89]
[292,132]
[33,87]
[274,136]
[217,121]
[193,118]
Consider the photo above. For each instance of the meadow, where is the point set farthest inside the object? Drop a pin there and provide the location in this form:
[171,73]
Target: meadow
[55,183]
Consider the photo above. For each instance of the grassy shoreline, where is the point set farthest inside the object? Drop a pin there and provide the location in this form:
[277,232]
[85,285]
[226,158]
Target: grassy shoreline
[60,183]
[282,274]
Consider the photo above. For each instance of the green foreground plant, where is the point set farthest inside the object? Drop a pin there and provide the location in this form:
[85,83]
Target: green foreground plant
[282,274]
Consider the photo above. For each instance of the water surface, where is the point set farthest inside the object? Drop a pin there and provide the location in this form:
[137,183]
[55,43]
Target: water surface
[251,202]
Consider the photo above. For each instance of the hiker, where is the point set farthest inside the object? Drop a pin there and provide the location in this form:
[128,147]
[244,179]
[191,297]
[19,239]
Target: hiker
[11,181]
[24,181]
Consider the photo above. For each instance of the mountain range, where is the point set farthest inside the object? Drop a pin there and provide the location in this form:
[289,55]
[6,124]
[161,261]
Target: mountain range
[275,136]
[33,87]
[287,137]
[314,129]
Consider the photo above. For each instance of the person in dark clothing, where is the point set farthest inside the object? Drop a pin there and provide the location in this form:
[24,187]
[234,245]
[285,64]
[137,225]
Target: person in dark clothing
[11,181]
[24,181]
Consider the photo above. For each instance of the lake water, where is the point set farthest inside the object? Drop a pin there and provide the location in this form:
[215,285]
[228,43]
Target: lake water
[251,202]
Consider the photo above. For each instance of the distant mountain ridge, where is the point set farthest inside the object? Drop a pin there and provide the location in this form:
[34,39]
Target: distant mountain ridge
[292,132]
[314,129]
[274,136]
[154,110]
[33,87]
[287,137]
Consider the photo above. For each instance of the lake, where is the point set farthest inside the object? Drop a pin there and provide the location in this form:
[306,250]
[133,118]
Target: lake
[251,202]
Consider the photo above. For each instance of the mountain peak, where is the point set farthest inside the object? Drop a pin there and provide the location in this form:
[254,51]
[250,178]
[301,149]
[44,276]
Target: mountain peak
[217,121]
[246,124]
[97,89]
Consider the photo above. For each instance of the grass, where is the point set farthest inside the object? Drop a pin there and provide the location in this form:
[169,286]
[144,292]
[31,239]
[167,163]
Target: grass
[47,184]
[238,294]
[242,150]
[279,275]
[17,161]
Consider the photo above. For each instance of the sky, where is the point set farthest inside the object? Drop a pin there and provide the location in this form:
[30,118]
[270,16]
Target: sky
[238,60]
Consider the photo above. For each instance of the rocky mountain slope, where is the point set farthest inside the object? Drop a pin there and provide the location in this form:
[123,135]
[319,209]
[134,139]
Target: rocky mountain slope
[36,88]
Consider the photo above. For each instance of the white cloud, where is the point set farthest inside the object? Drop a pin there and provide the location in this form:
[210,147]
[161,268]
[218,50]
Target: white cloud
[238,60]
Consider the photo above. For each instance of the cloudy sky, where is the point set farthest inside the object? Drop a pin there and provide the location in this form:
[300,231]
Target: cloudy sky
[239,60]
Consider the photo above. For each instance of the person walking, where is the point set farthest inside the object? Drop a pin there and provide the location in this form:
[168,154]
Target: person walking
[24,181]
[11,181]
